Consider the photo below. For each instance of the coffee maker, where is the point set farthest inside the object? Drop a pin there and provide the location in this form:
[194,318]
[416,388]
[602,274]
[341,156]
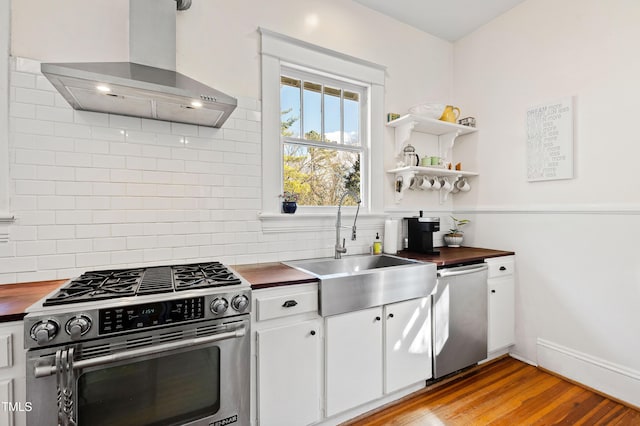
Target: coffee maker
[420,233]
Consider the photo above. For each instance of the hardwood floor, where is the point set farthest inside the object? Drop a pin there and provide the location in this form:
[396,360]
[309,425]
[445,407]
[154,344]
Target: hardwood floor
[506,392]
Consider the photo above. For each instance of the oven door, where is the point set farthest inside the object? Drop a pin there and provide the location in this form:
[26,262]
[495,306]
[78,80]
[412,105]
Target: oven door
[194,374]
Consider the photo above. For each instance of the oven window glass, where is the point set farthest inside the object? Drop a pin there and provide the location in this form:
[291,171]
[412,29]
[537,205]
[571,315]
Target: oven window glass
[168,390]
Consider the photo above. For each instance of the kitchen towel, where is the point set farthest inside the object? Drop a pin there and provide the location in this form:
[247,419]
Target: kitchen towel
[390,236]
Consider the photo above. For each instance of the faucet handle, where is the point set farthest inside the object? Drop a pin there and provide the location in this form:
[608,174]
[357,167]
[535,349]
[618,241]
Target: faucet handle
[353,233]
[343,244]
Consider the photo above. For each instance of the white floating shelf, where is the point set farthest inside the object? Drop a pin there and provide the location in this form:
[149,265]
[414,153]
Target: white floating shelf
[431,125]
[431,171]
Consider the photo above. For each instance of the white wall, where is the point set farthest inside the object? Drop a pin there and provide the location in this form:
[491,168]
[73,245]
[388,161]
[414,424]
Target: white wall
[578,279]
[97,190]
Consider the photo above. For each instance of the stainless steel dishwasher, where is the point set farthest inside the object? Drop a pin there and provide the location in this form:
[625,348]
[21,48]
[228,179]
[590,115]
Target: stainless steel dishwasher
[459,318]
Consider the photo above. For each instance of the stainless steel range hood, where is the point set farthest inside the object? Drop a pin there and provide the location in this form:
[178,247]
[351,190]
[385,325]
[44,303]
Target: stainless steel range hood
[148,86]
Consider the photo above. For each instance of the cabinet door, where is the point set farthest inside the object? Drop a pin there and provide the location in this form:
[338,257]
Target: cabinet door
[407,343]
[353,359]
[6,397]
[289,372]
[501,313]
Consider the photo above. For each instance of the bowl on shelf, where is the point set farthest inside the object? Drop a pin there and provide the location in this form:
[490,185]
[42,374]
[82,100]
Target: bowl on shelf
[428,110]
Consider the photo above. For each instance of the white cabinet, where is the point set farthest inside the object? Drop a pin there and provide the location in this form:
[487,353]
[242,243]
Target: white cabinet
[289,369]
[289,355]
[501,285]
[13,404]
[407,343]
[376,351]
[353,359]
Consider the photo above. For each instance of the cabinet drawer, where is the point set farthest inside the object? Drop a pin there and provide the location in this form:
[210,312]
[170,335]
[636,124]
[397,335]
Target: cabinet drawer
[500,266]
[284,305]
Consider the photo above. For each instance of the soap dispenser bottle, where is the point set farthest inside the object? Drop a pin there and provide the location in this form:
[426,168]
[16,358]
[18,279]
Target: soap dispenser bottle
[377,245]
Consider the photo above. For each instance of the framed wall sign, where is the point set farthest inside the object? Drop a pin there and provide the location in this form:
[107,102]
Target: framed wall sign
[550,141]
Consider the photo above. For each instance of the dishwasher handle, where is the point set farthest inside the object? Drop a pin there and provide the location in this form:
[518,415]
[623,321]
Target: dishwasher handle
[462,270]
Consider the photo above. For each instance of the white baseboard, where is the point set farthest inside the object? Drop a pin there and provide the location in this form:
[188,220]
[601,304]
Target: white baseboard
[611,379]
[522,358]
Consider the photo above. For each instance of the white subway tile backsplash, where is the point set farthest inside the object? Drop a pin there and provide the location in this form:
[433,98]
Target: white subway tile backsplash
[57,261]
[74,246]
[21,110]
[125,123]
[56,202]
[86,174]
[91,118]
[184,129]
[21,79]
[93,259]
[34,187]
[35,248]
[73,188]
[93,190]
[110,244]
[54,114]
[31,126]
[56,232]
[93,231]
[66,217]
[55,173]
[30,156]
[108,161]
[155,126]
[92,146]
[69,130]
[17,264]
[132,137]
[77,159]
[107,134]
[34,96]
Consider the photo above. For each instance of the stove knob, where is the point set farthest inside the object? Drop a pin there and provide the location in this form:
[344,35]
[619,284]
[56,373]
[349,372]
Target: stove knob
[219,306]
[78,326]
[240,303]
[44,331]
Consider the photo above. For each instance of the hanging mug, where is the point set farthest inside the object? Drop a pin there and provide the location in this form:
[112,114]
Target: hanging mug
[450,114]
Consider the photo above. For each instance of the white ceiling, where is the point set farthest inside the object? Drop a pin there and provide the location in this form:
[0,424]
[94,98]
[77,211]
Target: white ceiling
[447,19]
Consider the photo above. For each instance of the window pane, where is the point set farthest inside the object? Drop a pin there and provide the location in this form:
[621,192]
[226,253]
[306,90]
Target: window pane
[351,118]
[290,104]
[312,99]
[332,115]
[320,175]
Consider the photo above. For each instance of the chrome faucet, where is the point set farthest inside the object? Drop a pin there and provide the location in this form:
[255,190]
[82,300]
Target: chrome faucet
[341,248]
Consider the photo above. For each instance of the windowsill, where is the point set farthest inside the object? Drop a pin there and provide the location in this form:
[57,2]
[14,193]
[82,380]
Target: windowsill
[317,222]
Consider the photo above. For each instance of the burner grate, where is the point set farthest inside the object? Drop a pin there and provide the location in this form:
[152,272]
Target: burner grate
[201,275]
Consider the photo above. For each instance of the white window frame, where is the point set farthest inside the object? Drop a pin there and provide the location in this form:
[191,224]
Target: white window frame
[5,35]
[363,90]
[279,50]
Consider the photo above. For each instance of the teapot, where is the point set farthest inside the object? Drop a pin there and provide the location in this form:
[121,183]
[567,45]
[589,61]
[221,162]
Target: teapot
[409,156]
[449,114]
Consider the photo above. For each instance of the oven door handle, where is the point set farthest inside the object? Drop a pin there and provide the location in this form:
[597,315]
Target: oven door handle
[49,370]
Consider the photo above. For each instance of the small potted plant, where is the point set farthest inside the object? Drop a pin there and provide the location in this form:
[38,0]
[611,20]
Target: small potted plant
[454,237]
[289,202]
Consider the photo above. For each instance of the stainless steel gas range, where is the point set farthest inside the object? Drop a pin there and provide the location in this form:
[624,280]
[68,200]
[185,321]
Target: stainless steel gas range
[165,345]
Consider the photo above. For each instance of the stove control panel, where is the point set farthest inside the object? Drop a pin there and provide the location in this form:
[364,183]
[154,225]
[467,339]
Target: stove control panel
[134,317]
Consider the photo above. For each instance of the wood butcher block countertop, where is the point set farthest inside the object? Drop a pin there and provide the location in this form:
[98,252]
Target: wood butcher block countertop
[455,255]
[264,275]
[16,298]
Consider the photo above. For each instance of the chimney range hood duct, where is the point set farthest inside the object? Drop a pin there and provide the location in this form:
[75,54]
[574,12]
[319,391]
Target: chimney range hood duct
[148,86]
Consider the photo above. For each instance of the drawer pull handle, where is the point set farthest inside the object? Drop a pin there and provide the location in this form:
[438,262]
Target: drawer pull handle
[503,268]
[390,315]
[289,304]
[378,318]
[313,332]
[493,291]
